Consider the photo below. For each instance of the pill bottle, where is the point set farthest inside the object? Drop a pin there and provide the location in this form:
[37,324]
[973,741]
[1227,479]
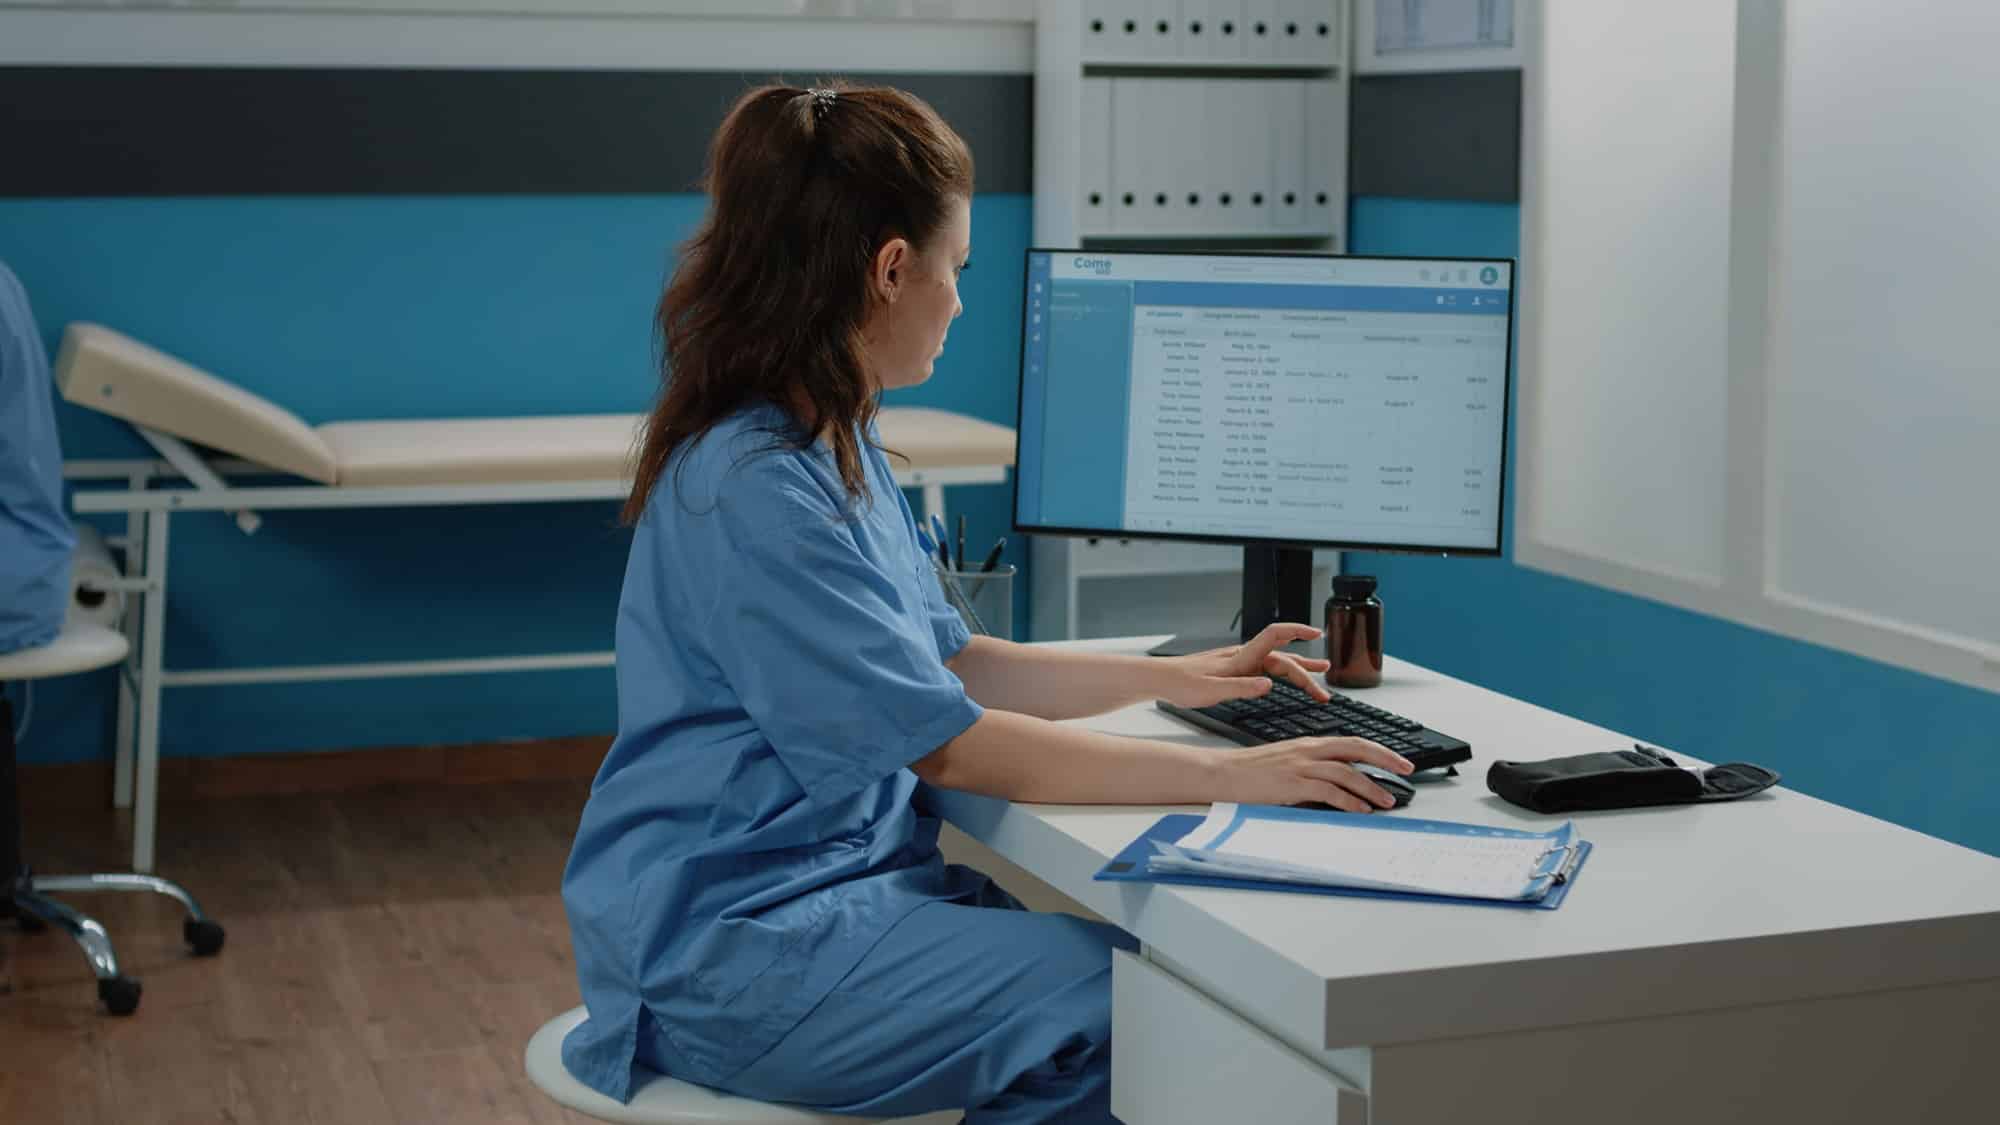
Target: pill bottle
[1354,632]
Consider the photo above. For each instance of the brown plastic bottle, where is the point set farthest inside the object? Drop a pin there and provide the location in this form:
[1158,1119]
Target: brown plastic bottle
[1354,632]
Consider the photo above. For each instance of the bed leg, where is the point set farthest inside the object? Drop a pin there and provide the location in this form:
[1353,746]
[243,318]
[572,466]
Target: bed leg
[128,624]
[152,649]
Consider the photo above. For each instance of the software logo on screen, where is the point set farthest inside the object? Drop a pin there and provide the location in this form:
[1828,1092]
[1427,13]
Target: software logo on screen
[1099,266]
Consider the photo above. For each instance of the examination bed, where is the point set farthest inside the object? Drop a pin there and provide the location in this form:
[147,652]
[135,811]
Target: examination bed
[208,431]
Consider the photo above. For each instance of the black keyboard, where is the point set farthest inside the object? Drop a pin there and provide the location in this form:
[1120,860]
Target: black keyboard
[1288,712]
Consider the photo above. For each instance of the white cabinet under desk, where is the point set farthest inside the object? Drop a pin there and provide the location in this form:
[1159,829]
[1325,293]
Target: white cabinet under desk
[1777,959]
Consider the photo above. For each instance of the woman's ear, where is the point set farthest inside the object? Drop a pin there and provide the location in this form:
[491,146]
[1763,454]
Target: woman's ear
[891,262]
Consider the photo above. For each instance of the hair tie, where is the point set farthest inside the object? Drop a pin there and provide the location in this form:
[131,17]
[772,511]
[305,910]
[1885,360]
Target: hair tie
[822,101]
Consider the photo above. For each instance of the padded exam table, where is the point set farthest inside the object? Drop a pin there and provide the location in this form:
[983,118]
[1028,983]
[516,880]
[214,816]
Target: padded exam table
[181,410]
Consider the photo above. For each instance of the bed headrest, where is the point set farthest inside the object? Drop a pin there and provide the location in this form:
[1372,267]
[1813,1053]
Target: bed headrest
[113,373]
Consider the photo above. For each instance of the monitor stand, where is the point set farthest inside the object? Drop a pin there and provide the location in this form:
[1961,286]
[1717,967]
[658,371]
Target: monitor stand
[1277,586]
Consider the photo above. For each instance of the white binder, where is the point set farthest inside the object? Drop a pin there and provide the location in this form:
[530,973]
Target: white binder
[1180,133]
[1300,38]
[1132,181]
[1326,158]
[1198,31]
[1163,29]
[1125,30]
[1230,43]
[1217,172]
[1096,205]
[1249,154]
[1286,99]
[1100,28]
[1260,29]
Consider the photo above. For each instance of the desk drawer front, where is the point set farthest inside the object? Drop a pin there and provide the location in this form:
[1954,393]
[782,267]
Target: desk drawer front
[1179,1058]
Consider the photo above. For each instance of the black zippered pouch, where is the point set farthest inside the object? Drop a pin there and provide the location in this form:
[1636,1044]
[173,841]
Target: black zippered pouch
[1621,779]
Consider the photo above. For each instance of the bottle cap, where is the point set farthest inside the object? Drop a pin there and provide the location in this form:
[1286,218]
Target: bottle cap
[1353,587]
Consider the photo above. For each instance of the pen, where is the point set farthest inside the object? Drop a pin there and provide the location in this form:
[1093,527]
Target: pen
[961,541]
[993,556]
[943,540]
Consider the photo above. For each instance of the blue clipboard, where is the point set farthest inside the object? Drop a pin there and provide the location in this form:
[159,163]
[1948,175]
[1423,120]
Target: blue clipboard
[1129,865]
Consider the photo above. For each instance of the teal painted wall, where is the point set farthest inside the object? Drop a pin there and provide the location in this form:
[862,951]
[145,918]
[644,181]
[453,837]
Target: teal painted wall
[1918,751]
[343,308]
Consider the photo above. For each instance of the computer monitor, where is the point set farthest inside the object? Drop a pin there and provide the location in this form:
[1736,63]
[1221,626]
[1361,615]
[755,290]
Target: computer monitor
[1279,401]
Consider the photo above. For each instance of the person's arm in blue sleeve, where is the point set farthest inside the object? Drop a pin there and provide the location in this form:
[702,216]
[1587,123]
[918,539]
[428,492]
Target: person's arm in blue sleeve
[813,637]
[807,629]
[1059,683]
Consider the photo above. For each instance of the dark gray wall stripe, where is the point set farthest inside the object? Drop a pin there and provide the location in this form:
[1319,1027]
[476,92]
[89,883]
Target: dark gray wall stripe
[1436,136]
[99,131]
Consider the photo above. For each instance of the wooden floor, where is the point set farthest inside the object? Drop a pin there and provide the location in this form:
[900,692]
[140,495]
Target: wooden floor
[389,953]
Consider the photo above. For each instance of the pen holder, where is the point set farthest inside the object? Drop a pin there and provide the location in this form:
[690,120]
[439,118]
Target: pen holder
[991,596]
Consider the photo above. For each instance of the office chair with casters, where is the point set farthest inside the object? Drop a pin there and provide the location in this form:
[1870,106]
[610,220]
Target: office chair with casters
[79,647]
[660,1100]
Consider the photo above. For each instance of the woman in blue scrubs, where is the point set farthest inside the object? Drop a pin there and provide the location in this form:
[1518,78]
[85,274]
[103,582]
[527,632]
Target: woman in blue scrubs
[755,893]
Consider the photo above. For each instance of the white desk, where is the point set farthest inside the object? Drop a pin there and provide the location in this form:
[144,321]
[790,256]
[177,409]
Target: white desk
[1777,959]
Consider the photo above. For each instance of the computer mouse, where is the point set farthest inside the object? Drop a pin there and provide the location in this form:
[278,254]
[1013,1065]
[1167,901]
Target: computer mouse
[1395,785]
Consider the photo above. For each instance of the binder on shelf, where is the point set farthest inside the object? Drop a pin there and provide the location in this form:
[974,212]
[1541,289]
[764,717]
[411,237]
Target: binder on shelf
[1309,31]
[1161,162]
[1236,131]
[1286,102]
[1131,185]
[1250,155]
[1259,153]
[1199,35]
[1163,30]
[1217,173]
[1369,855]
[1096,205]
[1229,44]
[1180,129]
[1326,157]
[1332,48]
[1125,32]
[1260,30]
[1285,31]
[1100,29]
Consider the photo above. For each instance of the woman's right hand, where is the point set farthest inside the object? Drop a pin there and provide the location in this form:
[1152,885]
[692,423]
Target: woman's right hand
[1311,769]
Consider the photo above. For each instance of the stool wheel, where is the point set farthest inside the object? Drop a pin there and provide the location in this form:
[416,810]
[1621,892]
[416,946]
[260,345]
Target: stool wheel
[204,937]
[120,995]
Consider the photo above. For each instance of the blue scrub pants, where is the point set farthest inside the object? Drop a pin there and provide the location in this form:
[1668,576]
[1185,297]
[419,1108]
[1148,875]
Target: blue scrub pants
[984,1007]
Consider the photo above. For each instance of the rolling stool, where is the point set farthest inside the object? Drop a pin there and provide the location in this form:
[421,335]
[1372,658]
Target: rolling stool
[668,1101]
[78,648]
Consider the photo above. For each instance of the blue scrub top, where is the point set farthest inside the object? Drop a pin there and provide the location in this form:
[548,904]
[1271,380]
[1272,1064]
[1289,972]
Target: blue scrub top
[751,834]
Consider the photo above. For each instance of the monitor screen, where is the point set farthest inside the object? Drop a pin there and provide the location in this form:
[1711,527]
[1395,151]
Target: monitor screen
[1282,398]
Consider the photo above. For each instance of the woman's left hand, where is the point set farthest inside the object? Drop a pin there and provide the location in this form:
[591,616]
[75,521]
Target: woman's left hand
[1245,671]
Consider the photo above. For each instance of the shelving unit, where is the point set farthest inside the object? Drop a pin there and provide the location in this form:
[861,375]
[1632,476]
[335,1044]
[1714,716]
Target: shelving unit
[1183,124]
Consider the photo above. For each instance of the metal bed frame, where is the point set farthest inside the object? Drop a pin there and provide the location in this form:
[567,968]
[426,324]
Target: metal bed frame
[181,480]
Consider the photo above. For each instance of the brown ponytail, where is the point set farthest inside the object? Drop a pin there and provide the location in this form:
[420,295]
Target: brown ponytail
[768,301]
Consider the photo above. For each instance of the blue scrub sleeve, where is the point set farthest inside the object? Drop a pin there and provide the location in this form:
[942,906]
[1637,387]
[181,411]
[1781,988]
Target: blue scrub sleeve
[947,627]
[831,660]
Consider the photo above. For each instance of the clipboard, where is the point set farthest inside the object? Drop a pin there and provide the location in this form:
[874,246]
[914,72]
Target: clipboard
[1130,865]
